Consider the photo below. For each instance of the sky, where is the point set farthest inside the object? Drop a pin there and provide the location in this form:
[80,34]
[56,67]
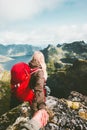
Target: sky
[42,22]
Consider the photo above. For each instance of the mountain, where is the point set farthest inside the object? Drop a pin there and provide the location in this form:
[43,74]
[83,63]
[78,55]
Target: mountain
[67,68]
[17,49]
[65,113]
[66,54]
[67,79]
[11,54]
[77,47]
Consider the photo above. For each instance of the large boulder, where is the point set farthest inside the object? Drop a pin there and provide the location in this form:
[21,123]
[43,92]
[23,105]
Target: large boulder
[69,79]
[70,114]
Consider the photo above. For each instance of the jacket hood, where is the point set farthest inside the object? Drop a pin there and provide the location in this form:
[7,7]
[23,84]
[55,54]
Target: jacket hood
[34,63]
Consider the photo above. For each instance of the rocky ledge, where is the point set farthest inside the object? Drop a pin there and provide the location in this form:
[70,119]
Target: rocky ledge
[65,114]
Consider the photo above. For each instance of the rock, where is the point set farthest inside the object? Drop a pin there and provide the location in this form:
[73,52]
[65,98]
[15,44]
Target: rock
[63,117]
[83,113]
[78,97]
[65,54]
[10,119]
[73,105]
[74,78]
[66,118]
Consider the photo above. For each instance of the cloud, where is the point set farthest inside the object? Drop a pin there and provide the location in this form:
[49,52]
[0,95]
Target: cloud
[46,35]
[11,10]
[14,30]
[9,37]
[59,34]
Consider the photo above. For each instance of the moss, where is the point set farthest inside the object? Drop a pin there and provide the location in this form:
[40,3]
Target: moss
[4,97]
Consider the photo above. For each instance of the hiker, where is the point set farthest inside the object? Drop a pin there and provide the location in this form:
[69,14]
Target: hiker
[39,120]
[37,82]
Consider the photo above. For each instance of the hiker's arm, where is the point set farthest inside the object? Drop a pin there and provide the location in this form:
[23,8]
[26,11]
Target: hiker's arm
[38,121]
[39,90]
[30,125]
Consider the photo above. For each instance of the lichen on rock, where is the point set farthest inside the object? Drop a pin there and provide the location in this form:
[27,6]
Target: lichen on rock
[63,117]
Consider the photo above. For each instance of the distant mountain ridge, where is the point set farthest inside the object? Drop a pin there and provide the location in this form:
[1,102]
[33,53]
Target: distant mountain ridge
[17,49]
[67,68]
[56,56]
[67,75]
[76,47]
[69,108]
[67,53]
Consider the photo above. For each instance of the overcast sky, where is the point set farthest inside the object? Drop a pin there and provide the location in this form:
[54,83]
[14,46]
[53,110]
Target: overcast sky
[42,22]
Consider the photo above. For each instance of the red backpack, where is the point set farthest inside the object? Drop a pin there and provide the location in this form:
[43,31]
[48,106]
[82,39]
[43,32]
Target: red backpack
[20,78]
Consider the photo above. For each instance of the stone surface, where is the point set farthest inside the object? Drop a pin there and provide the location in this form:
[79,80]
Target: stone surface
[64,116]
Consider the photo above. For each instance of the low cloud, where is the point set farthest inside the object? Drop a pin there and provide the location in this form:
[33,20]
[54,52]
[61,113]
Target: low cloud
[46,35]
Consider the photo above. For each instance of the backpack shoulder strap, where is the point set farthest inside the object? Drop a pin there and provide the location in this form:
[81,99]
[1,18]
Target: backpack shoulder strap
[32,71]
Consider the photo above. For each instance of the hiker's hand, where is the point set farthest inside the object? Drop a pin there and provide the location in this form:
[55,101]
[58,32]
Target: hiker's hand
[41,116]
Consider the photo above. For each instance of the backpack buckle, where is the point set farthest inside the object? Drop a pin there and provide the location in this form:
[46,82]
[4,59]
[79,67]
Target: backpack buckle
[17,85]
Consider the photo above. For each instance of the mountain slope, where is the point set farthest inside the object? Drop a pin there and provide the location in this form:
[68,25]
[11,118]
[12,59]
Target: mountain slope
[74,78]
[66,80]
[66,54]
[64,114]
